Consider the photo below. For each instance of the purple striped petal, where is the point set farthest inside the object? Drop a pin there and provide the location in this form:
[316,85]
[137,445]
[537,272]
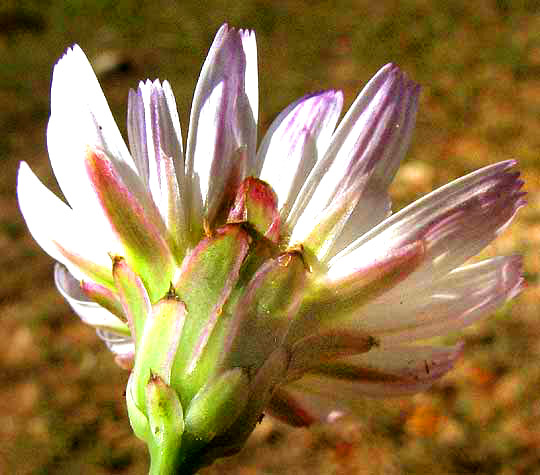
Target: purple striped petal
[295,142]
[375,204]
[223,121]
[455,222]
[334,301]
[374,128]
[156,143]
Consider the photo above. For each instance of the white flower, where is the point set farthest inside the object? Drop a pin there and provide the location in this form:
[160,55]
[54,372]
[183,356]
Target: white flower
[294,283]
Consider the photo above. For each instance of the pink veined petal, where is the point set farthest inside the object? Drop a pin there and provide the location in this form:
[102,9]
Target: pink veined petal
[346,143]
[295,142]
[371,134]
[155,140]
[451,303]
[336,301]
[102,295]
[137,133]
[59,231]
[375,204]
[154,127]
[80,117]
[455,222]
[89,312]
[223,121]
[329,394]
[121,346]
[170,135]
[392,371]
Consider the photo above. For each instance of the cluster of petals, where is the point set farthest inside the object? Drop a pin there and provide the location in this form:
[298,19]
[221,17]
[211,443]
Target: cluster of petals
[376,284]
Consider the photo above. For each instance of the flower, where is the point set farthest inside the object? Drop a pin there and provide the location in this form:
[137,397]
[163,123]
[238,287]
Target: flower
[239,281]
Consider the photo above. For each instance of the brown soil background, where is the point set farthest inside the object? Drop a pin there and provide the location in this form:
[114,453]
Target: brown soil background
[61,396]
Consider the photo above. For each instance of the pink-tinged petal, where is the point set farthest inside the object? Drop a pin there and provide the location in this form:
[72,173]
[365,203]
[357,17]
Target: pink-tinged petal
[122,346]
[137,224]
[125,360]
[89,312]
[379,275]
[223,121]
[81,118]
[449,304]
[133,296]
[372,130]
[60,231]
[256,204]
[331,302]
[295,142]
[455,222]
[137,131]
[300,408]
[103,296]
[156,143]
[375,204]
[392,371]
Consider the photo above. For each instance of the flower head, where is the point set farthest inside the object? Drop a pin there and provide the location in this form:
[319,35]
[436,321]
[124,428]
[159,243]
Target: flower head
[235,281]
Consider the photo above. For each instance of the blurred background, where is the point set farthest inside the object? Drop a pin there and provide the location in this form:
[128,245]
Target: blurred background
[61,396]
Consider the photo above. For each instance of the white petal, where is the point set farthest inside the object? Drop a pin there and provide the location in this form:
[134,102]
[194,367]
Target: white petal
[373,207]
[436,308]
[89,312]
[57,229]
[295,141]
[120,345]
[80,117]
[455,221]
[392,371]
[223,121]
